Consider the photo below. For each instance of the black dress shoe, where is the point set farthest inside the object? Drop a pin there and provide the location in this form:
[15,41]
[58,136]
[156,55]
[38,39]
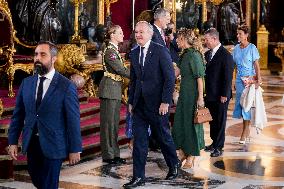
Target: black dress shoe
[109,161]
[119,160]
[173,172]
[134,183]
[216,153]
[209,148]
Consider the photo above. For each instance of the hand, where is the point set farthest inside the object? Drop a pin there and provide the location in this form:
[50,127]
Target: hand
[177,72]
[164,108]
[130,108]
[13,151]
[200,102]
[74,158]
[223,99]
[258,84]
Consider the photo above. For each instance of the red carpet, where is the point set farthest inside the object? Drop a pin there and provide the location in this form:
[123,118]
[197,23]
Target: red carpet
[90,124]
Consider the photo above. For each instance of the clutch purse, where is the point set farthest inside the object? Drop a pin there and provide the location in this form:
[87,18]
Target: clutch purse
[202,115]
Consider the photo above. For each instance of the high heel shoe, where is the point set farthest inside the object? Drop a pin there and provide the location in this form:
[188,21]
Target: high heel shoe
[189,163]
[246,140]
[242,142]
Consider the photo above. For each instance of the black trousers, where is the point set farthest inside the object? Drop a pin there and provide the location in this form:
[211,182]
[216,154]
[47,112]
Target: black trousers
[218,111]
[44,172]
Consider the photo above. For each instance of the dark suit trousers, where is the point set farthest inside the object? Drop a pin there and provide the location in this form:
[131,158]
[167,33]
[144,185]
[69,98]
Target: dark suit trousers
[142,118]
[218,111]
[44,172]
[109,116]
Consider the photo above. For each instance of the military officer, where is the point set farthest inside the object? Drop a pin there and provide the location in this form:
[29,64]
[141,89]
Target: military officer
[110,96]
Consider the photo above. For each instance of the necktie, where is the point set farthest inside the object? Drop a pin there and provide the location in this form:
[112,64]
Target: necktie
[163,36]
[141,57]
[39,91]
[210,55]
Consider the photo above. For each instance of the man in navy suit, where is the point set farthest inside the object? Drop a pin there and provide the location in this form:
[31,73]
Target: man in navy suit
[151,87]
[218,81]
[48,116]
[162,18]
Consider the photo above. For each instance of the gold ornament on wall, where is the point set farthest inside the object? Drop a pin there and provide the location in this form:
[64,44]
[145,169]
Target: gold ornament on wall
[108,2]
[76,3]
[1,108]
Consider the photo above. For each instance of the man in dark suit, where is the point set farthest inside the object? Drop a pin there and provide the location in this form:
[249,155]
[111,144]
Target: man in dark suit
[48,116]
[151,87]
[162,17]
[218,81]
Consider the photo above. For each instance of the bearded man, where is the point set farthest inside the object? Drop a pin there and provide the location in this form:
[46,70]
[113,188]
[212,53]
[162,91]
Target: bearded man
[48,116]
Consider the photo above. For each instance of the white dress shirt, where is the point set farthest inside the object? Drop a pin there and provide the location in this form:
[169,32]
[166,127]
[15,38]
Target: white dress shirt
[46,82]
[215,50]
[145,50]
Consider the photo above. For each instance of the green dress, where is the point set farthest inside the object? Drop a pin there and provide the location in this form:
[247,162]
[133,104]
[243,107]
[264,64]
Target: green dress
[188,136]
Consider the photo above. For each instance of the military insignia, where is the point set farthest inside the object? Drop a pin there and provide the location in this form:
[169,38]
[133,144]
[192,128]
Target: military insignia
[112,56]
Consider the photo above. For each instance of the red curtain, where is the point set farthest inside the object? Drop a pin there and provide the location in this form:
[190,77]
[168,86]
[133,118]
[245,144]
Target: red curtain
[122,14]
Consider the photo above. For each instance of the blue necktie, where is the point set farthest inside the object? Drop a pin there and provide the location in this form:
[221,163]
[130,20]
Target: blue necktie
[210,52]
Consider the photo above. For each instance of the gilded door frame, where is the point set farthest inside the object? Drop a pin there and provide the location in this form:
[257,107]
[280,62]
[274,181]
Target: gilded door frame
[171,6]
[101,11]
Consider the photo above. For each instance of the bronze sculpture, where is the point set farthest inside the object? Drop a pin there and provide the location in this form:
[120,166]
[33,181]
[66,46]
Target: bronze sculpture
[39,20]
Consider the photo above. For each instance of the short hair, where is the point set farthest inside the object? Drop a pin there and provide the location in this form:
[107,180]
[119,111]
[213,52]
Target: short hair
[160,12]
[212,32]
[52,47]
[244,28]
[150,27]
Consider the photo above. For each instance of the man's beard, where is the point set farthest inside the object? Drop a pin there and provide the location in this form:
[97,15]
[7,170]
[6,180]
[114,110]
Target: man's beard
[39,68]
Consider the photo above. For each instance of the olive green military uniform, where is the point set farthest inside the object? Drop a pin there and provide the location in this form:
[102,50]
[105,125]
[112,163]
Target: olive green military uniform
[110,101]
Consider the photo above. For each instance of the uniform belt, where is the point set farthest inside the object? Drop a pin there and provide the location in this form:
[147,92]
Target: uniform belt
[112,76]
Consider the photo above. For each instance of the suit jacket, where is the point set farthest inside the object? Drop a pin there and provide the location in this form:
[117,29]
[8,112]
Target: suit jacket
[157,37]
[57,117]
[174,50]
[219,74]
[109,88]
[154,81]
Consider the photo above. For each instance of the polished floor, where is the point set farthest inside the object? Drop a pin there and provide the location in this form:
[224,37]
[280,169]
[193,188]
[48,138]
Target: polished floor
[258,164]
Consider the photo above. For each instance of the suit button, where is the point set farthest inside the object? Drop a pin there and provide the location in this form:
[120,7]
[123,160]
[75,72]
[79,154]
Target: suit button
[36,115]
[141,82]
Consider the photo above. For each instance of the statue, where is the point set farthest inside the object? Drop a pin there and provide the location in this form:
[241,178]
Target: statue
[190,14]
[229,22]
[154,4]
[263,13]
[39,20]
[84,19]
[213,15]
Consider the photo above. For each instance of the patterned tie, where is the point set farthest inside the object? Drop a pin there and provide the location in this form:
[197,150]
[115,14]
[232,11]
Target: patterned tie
[39,91]
[141,57]
[163,36]
[210,52]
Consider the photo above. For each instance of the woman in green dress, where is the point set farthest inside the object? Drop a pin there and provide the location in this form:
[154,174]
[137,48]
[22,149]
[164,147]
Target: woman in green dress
[189,137]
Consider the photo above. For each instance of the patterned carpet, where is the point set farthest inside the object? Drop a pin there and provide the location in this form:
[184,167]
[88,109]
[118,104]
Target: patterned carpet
[256,165]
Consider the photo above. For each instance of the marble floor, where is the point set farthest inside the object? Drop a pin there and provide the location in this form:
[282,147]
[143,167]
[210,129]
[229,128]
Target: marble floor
[256,165]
